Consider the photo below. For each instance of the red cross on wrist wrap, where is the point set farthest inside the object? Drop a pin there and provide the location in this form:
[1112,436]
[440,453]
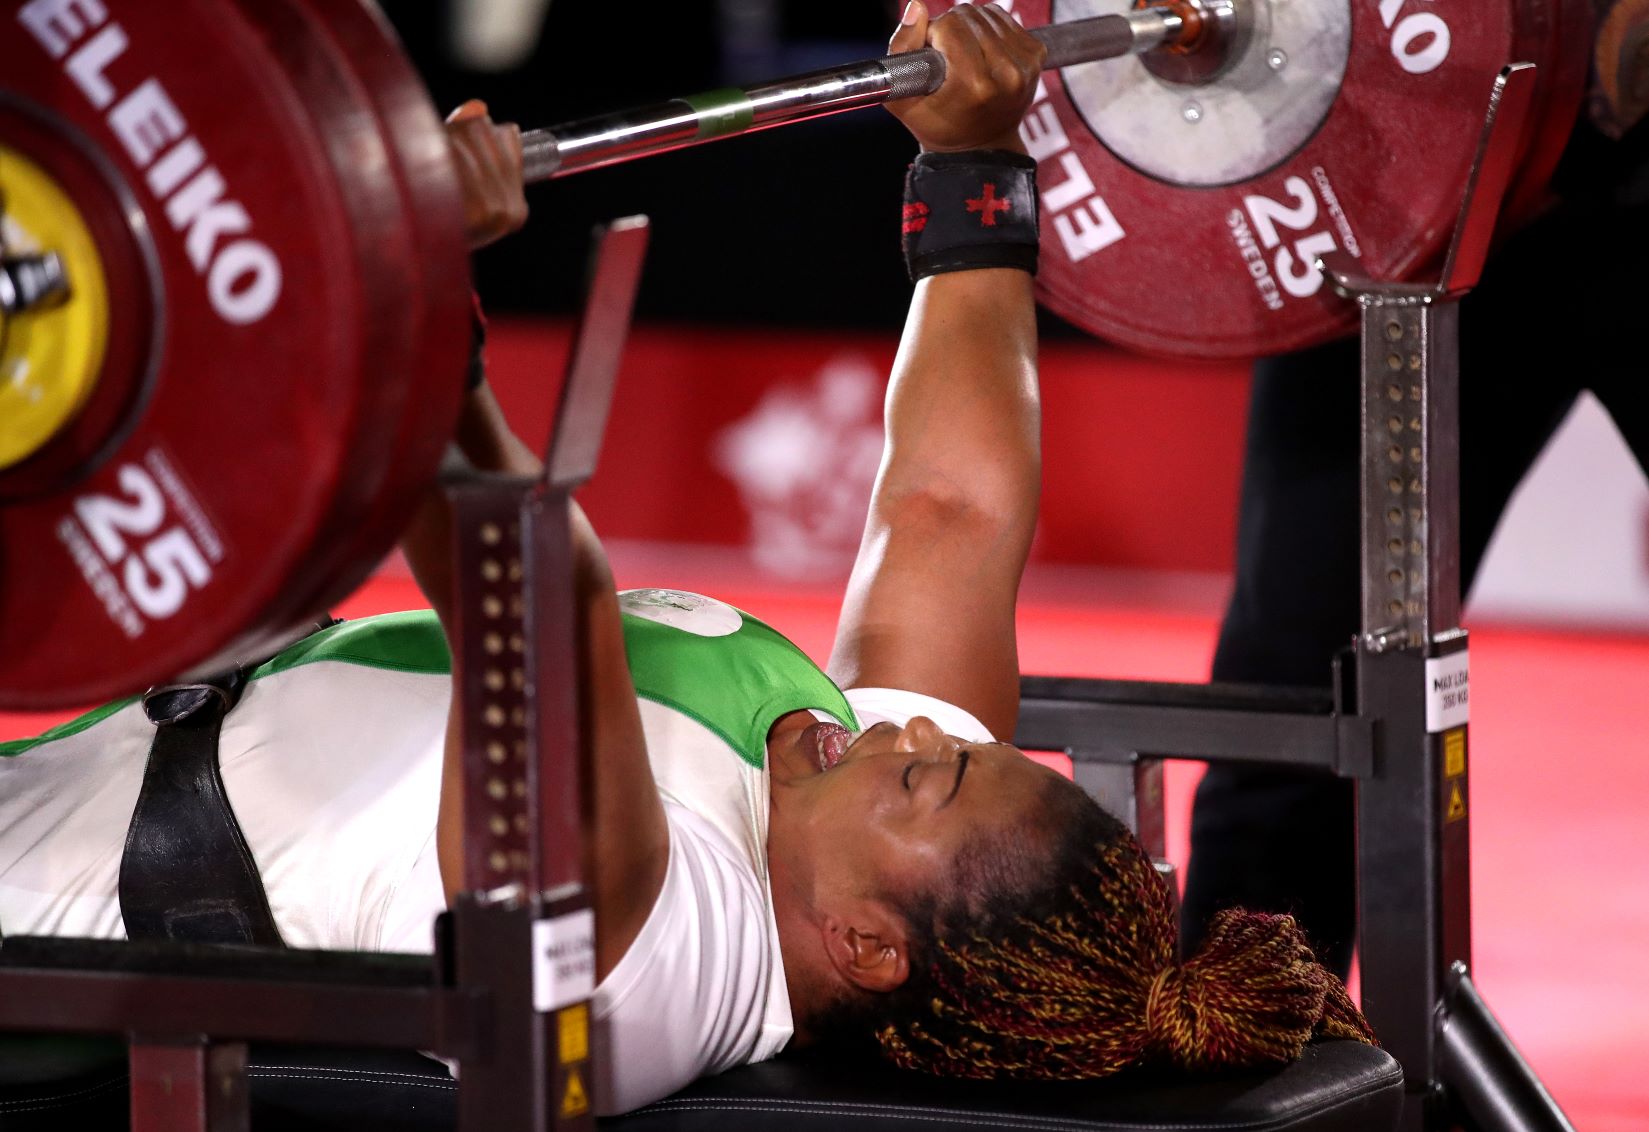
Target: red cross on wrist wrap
[987,205]
[970,210]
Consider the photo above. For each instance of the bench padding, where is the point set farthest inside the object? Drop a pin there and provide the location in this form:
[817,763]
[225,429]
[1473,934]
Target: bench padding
[1336,1087]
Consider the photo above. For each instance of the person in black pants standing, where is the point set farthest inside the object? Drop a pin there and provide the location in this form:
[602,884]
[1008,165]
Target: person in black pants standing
[1561,309]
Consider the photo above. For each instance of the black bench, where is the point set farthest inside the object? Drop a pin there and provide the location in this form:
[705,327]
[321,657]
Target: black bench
[1337,1086]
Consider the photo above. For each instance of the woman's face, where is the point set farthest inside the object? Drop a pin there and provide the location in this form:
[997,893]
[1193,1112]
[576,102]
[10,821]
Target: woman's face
[887,813]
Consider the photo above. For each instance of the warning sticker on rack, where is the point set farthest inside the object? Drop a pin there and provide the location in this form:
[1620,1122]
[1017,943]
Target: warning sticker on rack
[1457,803]
[563,960]
[1454,753]
[575,1101]
[574,1024]
[1447,692]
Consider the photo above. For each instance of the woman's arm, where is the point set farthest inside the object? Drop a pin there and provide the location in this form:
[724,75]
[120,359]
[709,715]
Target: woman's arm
[630,842]
[930,604]
[630,846]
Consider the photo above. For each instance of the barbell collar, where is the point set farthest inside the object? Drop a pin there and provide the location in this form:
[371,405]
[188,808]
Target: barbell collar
[27,282]
[680,122]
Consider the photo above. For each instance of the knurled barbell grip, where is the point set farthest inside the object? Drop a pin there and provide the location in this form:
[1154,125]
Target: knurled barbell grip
[623,136]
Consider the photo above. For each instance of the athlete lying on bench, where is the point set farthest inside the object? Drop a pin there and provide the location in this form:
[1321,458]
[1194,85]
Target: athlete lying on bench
[781,857]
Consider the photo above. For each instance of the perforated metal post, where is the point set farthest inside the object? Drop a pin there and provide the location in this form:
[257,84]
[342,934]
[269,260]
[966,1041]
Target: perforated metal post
[503,1086]
[524,930]
[1407,845]
[1414,896]
[1411,581]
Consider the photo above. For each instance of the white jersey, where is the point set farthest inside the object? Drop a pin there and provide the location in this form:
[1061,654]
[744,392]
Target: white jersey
[332,763]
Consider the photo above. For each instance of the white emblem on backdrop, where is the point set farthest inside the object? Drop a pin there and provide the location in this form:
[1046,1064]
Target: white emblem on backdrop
[804,461]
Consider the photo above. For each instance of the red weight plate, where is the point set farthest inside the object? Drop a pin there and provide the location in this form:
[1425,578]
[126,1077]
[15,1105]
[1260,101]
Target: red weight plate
[1184,220]
[269,405]
[432,287]
[318,77]
[420,323]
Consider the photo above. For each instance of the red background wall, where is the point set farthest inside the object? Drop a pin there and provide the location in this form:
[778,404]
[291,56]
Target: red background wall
[1142,457]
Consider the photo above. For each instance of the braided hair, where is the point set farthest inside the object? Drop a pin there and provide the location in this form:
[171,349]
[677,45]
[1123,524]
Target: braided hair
[1075,974]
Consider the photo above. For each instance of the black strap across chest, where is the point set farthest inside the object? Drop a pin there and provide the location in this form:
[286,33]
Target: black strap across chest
[186,872]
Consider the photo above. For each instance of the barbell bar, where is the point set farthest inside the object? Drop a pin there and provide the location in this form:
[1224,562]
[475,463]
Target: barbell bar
[1210,29]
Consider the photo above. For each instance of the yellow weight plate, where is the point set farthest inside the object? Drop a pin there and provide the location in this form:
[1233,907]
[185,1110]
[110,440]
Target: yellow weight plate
[50,356]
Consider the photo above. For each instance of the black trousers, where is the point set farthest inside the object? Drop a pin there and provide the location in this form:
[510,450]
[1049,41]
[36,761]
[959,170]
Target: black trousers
[1563,307]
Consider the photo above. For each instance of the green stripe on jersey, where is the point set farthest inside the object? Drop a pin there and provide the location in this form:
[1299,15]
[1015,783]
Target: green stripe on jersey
[730,671]
[63,730]
[403,642]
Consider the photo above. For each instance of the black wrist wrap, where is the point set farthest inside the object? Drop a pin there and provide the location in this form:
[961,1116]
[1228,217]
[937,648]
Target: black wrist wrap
[968,210]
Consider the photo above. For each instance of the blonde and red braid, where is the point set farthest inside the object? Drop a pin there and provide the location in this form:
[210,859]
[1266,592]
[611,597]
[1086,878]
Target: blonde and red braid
[1085,984]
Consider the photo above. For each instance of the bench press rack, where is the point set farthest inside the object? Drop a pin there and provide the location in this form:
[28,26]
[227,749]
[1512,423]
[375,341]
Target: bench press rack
[1394,719]
[513,961]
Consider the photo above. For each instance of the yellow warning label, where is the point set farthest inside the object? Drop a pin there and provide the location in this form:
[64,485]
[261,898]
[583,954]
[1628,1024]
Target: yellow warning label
[1454,753]
[575,1101]
[1457,803]
[574,1024]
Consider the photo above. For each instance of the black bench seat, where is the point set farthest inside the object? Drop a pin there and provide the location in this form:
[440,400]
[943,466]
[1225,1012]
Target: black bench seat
[1337,1086]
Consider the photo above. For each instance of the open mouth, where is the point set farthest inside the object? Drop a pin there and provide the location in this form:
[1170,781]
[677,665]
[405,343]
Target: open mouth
[828,742]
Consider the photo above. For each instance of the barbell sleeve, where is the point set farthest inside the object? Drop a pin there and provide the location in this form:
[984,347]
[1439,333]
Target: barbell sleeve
[608,139]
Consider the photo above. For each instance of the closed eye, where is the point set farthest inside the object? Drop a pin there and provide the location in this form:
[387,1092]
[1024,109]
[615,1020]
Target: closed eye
[905,778]
[961,769]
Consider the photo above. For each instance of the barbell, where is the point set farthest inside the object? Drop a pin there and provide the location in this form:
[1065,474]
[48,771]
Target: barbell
[234,291]
[1249,138]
